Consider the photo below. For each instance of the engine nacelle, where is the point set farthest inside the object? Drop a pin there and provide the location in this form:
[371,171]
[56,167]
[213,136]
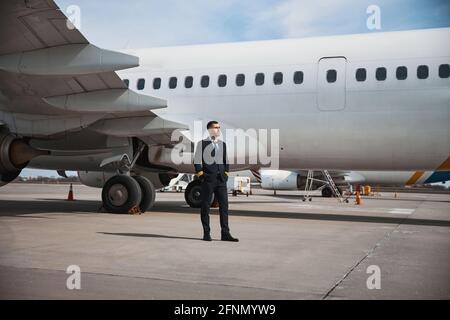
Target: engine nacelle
[281,180]
[97,179]
[15,154]
[289,180]
[284,180]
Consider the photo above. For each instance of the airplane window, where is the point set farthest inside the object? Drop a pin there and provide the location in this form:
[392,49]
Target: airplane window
[240,80]
[361,74]
[259,79]
[331,76]
[444,71]
[127,82]
[141,84]
[188,82]
[402,73]
[422,72]
[157,83]
[173,82]
[222,81]
[278,78]
[381,74]
[298,77]
[204,82]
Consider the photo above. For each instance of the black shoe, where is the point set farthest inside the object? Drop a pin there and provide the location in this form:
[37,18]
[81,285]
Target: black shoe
[207,237]
[228,237]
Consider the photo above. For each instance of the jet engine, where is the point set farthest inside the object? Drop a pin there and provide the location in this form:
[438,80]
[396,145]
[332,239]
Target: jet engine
[282,180]
[15,153]
[288,180]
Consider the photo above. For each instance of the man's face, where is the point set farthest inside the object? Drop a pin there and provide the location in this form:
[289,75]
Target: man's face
[214,130]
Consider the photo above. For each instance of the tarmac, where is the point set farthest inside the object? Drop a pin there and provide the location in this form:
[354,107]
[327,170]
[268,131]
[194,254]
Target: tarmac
[386,248]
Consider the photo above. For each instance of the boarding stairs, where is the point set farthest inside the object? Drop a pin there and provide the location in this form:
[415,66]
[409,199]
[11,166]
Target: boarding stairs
[327,182]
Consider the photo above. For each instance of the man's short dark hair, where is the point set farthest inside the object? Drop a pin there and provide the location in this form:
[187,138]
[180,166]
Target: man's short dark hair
[210,124]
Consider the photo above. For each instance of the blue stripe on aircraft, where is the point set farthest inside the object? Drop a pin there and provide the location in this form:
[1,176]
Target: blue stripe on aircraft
[439,176]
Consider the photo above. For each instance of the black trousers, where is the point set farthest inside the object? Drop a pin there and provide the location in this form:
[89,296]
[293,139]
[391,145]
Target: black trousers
[219,189]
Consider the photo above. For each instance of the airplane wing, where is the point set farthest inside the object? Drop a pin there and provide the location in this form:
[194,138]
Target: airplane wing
[52,80]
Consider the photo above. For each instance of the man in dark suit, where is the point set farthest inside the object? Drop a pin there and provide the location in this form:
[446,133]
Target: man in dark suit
[212,169]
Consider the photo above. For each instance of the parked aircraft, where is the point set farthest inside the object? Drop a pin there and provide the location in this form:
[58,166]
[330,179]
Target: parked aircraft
[377,101]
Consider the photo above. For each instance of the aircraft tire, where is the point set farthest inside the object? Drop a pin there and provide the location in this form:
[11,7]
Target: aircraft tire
[148,193]
[121,194]
[193,194]
[327,192]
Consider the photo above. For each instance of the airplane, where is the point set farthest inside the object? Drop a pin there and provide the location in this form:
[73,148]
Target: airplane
[378,101]
[296,180]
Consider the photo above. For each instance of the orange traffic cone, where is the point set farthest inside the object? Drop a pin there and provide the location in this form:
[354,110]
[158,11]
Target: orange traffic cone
[70,195]
[358,198]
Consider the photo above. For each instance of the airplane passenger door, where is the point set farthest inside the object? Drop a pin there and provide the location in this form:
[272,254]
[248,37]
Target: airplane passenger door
[331,87]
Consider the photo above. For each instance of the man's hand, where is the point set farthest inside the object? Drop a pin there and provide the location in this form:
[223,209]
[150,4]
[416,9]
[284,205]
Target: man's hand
[200,173]
[226,173]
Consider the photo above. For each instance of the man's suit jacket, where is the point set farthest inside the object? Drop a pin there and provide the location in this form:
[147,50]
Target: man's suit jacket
[214,166]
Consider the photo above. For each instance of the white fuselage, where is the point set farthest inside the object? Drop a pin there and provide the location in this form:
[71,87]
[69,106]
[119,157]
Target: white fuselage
[389,124]
[296,180]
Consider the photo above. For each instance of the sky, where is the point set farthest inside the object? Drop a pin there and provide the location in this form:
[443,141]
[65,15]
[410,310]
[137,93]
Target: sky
[117,24]
[148,23]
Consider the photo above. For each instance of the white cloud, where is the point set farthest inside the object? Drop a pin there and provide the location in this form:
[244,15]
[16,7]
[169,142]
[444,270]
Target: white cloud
[303,18]
[151,23]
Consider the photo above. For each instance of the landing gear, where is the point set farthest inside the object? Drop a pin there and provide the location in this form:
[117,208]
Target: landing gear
[125,194]
[148,193]
[327,192]
[329,189]
[121,194]
[193,194]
